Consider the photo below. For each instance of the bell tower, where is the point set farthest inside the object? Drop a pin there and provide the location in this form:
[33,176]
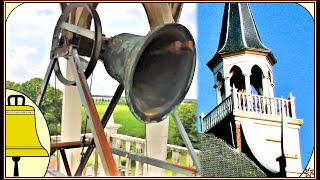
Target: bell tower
[247,115]
[241,59]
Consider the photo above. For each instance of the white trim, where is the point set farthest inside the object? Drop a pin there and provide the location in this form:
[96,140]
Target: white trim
[227,34]
[16,112]
[242,26]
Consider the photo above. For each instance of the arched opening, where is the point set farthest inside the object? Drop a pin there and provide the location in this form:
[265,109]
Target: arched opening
[237,78]
[256,79]
[253,91]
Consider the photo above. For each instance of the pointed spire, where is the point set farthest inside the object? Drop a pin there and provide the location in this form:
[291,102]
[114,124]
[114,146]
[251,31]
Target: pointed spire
[238,32]
[238,29]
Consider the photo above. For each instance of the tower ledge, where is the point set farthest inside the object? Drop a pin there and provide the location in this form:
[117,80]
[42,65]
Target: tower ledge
[218,57]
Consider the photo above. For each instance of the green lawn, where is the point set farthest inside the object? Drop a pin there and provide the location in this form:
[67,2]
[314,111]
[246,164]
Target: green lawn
[129,124]
[132,127]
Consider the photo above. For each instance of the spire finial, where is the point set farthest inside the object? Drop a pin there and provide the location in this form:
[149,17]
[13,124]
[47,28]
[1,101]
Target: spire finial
[238,32]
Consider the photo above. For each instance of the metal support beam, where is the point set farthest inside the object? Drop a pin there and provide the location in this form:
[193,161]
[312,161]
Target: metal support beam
[69,145]
[155,162]
[65,162]
[186,140]
[102,144]
[78,30]
[104,122]
[45,82]
[55,173]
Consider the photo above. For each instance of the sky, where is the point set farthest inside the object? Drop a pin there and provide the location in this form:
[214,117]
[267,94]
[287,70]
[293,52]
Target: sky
[29,40]
[287,30]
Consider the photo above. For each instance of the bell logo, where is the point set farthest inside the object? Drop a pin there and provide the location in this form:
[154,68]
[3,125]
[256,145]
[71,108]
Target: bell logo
[27,137]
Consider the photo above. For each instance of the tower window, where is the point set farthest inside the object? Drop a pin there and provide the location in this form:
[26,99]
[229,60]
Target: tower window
[237,78]
[256,79]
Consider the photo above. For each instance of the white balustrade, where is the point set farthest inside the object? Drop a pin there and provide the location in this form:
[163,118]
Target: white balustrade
[134,145]
[217,114]
[264,105]
[248,103]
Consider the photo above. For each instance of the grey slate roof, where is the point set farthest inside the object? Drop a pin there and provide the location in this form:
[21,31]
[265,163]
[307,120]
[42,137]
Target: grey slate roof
[218,159]
[238,32]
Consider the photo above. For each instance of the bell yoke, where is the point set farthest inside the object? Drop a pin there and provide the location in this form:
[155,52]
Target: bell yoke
[156,70]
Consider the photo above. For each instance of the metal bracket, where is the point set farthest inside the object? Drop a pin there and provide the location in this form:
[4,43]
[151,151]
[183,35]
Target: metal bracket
[104,122]
[101,142]
[155,162]
[186,140]
[45,82]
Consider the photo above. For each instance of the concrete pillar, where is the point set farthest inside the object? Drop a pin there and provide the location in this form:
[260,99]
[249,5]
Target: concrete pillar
[71,122]
[218,93]
[247,82]
[234,97]
[111,127]
[200,124]
[271,89]
[227,86]
[266,86]
[156,146]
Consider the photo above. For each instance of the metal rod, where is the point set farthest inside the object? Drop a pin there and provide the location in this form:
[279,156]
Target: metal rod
[282,159]
[155,162]
[104,121]
[55,173]
[78,30]
[233,140]
[186,140]
[65,161]
[52,151]
[68,145]
[45,82]
[101,142]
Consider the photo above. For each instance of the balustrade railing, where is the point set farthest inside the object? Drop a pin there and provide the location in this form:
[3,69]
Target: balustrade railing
[127,167]
[248,103]
[263,105]
[217,114]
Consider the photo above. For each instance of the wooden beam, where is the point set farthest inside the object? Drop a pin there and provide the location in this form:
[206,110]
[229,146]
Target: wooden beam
[176,9]
[158,14]
[63,6]
[83,17]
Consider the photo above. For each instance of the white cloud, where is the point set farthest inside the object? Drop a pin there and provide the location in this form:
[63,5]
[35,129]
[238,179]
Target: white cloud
[119,18]
[29,33]
[29,30]
[188,18]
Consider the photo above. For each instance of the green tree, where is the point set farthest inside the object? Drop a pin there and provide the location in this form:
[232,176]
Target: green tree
[13,85]
[51,105]
[187,114]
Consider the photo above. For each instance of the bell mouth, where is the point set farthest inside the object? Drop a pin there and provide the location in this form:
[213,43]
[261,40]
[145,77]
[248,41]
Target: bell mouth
[161,72]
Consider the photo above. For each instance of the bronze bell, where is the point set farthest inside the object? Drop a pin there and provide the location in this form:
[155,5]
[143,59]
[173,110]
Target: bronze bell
[156,70]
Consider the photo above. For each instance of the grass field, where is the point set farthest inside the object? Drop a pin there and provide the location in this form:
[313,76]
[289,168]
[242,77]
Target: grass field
[129,124]
[132,127]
